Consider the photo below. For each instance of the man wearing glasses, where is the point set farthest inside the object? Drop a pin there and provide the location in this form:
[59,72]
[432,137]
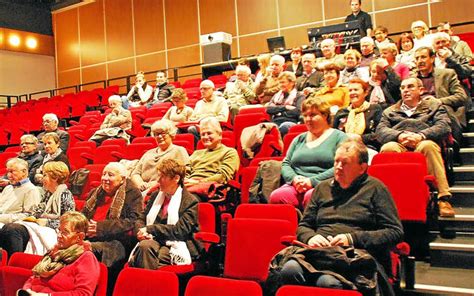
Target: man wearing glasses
[50,124]
[29,153]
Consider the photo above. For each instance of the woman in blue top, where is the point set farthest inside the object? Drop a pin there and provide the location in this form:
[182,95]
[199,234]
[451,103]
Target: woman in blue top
[310,158]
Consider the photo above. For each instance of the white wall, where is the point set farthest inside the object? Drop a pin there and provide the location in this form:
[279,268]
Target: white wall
[22,73]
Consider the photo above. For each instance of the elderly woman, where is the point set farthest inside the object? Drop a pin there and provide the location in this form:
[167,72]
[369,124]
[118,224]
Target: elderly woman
[115,124]
[53,153]
[139,94]
[112,209]
[361,118]
[421,34]
[144,176]
[179,112]
[333,93]
[296,66]
[166,228]
[384,84]
[389,53]
[214,163]
[30,153]
[36,234]
[352,70]
[310,157]
[285,105]
[406,51]
[70,268]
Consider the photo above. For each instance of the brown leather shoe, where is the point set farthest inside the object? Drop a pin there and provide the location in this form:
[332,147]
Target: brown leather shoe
[445,209]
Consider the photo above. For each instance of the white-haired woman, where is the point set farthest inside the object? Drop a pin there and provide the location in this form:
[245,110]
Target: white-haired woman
[115,124]
[145,175]
[421,34]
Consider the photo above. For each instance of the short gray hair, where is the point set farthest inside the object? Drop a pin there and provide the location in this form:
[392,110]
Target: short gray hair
[277,58]
[29,137]
[367,39]
[115,98]
[211,122]
[21,163]
[243,69]
[290,76]
[50,116]
[440,35]
[117,166]
[328,41]
[165,125]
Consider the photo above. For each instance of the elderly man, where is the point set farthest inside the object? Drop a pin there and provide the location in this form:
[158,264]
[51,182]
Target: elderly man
[268,85]
[240,92]
[351,209]
[457,45]
[162,91]
[30,153]
[413,124]
[445,86]
[214,163]
[211,103]
[311,79]
[20,196]
[50,124]
[328,49]
[367,50]
[361,16]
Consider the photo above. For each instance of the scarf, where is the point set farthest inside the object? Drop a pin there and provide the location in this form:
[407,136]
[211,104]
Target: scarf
[56,259]
[289,100]
[376,96]
[356,119]
[117,203]
[50,157]
[53,205]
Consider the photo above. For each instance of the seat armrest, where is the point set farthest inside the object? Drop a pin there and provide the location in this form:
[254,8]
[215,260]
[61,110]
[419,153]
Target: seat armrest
[207,237]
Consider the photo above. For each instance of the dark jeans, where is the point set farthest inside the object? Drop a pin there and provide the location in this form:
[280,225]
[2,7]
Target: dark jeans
[293,274]
[14,238]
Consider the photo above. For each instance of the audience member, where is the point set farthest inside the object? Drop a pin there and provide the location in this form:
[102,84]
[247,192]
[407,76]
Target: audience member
[296,65]
[381,36]
[20,195]
[416,124]
[457,45]
[406,51]
[384,84]
[112,209]
[50,125]
[211,104]
[69,268]
[389,53]
[361,118]
[263,64]
[166,229]
[53,153]
[421,34]
[328,49]
[367,49]
[214,163]
[351,210]
[332,92]
[36,233]
[144,176]
[162,90]
[240,92]
[139,94]
[445,86]
[285,105]
[361,16]
[268,85]
[29,152]
[311,79]
[115,124]
[310,156]
[179,112]
[353,70]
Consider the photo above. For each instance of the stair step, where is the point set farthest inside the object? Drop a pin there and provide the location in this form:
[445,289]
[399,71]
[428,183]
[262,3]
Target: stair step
[470,125]
[453,253]
[468,138]
[442,281]
[463,221]
[467,155]
[463,195]
[464,173]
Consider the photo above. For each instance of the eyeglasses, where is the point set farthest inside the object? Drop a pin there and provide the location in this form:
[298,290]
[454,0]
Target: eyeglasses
[65,233]
[161,134]
[27,143]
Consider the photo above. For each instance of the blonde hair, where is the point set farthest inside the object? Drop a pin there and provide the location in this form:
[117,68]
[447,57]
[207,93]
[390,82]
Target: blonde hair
[78,221]
[57,170]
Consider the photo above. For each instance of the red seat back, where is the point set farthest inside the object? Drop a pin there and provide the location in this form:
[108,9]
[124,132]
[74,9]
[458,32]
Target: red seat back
[139,282]
[285,212]
[213,286]
[289,290]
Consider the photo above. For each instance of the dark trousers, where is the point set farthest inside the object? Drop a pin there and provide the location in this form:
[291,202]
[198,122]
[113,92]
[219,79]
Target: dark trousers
[14,238]
[150,255]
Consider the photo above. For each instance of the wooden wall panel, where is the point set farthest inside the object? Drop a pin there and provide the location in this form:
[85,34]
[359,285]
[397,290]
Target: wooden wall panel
[149,26]
[217,16]
[118,18]
[294,12]
[91,21]
[68,78]
[400,20]
[454,11]
[94,73]
[181,22]
[297,36]
[183,57]
[121,68]
[342,8]
[67,40]
[383,4]
[151,62]
[255,44]
[256,16]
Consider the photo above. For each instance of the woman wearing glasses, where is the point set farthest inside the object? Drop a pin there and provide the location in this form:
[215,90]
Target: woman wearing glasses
[179,112]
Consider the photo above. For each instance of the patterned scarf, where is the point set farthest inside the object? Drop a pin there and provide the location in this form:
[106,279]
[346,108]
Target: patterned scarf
[56,259]
[376,96]
[356,120]
[117,203]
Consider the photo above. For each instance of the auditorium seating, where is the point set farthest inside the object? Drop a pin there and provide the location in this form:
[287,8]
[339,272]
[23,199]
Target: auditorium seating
[141,282]
[213,286]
